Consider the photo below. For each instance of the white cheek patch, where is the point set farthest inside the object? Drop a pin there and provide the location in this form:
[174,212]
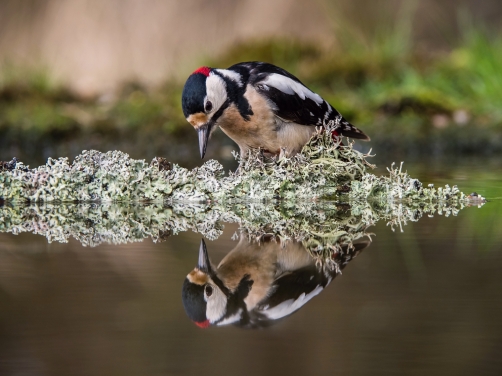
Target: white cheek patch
[216,305]
[216,91]
[289,86]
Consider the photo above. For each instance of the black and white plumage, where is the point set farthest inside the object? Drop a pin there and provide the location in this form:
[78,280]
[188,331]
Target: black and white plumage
[258,105]
[257,283]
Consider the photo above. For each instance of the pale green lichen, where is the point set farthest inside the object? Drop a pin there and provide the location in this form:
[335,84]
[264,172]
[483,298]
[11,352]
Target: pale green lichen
[93,176]
[324,169]
[109,197]
[399,186]
[321,226]
[92,224]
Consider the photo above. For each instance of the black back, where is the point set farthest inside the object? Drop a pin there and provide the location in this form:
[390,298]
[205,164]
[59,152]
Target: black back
[291,107]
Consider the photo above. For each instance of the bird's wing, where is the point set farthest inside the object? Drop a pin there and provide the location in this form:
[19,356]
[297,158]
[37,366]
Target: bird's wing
[291,100]
[294,289]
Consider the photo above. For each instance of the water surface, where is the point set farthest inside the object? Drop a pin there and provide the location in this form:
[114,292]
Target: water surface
[423,301]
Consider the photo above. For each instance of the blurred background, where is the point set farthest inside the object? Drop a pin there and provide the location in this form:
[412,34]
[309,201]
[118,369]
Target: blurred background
[420,77]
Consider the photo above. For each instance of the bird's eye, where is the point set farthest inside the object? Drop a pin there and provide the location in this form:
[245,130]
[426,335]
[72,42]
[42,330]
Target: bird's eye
[209,106]
[209,290]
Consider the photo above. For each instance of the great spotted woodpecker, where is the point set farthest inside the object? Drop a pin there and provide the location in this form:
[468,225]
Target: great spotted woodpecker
[257,283]
[258,105]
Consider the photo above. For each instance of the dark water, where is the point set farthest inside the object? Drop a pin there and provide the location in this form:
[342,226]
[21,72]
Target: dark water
[426,300]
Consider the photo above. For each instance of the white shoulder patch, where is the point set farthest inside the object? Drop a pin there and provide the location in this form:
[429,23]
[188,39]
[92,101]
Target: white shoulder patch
[234,76]
[231,319]
[289,86]
[287,307]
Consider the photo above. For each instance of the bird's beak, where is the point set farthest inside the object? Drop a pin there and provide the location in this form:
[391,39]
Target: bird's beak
[204,265]
[204,132]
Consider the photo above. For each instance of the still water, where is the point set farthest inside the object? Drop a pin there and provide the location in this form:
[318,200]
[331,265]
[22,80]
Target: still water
[424,300]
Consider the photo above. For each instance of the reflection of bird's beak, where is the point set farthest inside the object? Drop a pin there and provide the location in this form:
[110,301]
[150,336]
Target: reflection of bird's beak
[204,131]
[204,265]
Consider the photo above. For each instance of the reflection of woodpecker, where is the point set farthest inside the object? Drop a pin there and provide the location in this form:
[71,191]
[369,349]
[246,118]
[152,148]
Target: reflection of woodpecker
[258,105]
[256,283]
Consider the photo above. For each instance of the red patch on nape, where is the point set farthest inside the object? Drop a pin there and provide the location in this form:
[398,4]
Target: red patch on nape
[203,70]
[202,324]
[335,134]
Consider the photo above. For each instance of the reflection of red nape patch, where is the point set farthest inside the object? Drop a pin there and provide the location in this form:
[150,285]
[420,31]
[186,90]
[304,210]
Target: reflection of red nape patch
[203,70]
[202,324]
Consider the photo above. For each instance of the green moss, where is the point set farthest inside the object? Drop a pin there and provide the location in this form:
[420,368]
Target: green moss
[381,81]
[290,54]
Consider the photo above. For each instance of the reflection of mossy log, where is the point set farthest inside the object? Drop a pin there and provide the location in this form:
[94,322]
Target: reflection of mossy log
[322,226]
[324,169]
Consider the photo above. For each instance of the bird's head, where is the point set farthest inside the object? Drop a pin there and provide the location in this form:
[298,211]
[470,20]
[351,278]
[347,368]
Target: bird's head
[204,296]
[203,101]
